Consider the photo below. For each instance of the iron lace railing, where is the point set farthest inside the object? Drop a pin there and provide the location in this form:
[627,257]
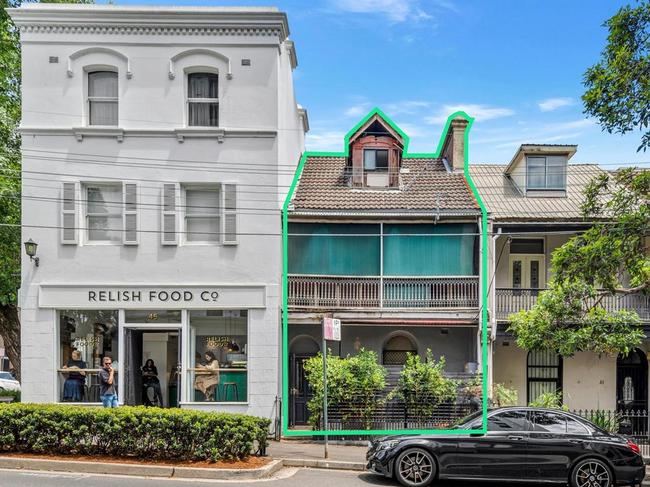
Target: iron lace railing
[509,300]
[349,292]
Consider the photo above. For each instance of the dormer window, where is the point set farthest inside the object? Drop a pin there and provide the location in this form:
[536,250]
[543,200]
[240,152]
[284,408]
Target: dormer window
[375,159]
[546,172]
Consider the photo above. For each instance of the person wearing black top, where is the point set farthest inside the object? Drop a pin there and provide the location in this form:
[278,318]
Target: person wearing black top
[150,379]
[73,387]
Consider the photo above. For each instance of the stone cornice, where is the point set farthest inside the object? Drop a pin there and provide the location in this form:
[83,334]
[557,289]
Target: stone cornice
[94,19]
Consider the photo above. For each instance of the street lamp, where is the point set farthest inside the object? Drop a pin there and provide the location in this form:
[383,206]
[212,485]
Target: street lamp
[30,249]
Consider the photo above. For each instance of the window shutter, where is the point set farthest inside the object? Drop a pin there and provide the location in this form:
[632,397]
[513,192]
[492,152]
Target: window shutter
[130,214]
[169,221]
[229,214]
[69,220]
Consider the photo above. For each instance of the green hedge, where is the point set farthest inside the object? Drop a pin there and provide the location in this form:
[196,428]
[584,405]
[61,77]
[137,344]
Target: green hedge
[152,433]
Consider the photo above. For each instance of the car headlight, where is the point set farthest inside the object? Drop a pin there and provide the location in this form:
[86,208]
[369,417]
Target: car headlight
[387,444]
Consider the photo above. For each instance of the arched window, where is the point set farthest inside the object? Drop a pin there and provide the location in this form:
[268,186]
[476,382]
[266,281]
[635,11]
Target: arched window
[544,373]
[396,349]
[102,98]
[203,100]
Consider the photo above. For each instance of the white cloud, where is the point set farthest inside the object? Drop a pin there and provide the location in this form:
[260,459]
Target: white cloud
[394,10]
[358,110]
[551,104]
[406,107]
[325,141]
[479,112]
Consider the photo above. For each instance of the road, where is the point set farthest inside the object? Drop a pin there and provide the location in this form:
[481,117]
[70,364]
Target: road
[288,477]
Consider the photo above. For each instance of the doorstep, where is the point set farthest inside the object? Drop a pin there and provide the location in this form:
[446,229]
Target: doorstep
[140,470]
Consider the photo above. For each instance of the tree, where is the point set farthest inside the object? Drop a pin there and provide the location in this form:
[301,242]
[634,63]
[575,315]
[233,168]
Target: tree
[618,86]
[610,259]
[10,179]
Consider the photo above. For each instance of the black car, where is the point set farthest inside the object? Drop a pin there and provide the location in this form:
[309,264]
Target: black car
[522,444]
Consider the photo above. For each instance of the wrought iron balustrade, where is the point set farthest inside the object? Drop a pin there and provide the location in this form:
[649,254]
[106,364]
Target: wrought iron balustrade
[351,292]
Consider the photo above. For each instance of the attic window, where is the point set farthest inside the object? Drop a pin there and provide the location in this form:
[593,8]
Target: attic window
[375,159]
[546,172]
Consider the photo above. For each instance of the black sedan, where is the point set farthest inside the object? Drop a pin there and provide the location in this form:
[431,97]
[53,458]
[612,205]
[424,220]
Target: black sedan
[522,444]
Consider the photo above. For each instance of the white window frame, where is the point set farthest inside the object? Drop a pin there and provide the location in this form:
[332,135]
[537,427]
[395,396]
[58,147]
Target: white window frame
[105,99]
[119,209]
[546,177]
[219,214]
[375,150]
[189,101]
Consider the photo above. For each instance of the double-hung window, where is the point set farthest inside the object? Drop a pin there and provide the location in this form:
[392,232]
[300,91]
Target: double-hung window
[102,98]
[375,159]
[104,212]
[202,213]
[546,172]
[203,100]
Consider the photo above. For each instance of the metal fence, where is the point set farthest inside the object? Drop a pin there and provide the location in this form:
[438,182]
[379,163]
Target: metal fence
[630,423]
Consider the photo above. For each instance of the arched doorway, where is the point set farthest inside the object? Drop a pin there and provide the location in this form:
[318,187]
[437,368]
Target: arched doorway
[301,348]
[543,373]
[632,381]
[397,348]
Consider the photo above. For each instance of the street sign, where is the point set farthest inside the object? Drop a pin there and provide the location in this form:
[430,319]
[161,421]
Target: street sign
[332,329]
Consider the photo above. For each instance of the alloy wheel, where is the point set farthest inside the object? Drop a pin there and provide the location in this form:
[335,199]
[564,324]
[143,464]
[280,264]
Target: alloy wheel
[592,473]
[415,468]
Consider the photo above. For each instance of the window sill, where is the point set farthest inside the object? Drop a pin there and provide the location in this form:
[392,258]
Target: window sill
[98,131]
[200,132]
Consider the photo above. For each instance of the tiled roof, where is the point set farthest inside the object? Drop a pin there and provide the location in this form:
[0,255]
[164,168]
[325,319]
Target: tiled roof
[423,186]
[505,202]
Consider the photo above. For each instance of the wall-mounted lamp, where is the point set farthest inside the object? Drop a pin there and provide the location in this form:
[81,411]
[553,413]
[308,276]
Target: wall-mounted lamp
[30,249]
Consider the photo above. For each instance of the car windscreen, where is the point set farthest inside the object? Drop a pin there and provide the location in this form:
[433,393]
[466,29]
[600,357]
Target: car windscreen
[6,375]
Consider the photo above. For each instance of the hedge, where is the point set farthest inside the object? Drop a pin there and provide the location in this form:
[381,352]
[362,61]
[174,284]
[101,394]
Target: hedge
[150,433]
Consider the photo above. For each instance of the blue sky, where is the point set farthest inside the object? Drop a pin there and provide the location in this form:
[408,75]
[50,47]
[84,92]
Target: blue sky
[516,66]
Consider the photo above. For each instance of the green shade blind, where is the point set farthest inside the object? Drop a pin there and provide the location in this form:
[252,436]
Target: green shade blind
[326,249]
[407,252]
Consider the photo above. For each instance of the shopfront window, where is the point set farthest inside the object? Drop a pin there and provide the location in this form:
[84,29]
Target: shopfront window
[85,338]
[218,370]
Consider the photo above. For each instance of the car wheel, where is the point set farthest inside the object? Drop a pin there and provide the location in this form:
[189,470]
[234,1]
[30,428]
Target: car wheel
[415,467]
[591,473]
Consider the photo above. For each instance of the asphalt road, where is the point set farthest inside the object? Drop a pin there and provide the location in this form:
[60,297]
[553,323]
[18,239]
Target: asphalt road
[288,477]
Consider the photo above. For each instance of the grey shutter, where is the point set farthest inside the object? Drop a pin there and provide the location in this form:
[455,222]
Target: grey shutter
[69,219]
[169,207]
[130,214]
[229,214]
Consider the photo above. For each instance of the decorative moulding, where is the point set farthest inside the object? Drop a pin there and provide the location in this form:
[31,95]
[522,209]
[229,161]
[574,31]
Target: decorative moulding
[208,52]
[81,132]
[103,50]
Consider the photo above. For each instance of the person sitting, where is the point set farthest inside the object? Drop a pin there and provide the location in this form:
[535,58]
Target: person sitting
[73,387]
[207,377]
[150,379]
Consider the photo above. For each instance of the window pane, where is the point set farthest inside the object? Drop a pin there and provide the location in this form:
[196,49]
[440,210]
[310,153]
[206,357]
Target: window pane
[203,114]
[527,246]
[152,316]
[85,337]
[536,177]
[202,229]
[203,85]
[556,172]
[105,228]
[202,201]
[516,274]
[105,199]
[382,159]
[102,83]
[103,112]
[219,351]
[549,423]
[574,427]
[369,159]
[508,421]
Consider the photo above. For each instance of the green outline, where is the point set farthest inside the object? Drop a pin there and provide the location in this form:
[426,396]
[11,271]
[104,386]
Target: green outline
[285,281]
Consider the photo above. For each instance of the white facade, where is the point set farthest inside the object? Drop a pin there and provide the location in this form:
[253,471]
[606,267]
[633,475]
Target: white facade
[245,162]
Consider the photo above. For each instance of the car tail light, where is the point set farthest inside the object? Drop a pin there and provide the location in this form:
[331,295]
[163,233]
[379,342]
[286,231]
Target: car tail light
[634,447]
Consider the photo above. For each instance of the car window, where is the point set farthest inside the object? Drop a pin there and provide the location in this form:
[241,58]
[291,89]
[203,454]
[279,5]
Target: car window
[6,375]
[508,421]
[547,422]
[575,427]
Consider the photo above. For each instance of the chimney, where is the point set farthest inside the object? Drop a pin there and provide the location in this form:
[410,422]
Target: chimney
[453,148]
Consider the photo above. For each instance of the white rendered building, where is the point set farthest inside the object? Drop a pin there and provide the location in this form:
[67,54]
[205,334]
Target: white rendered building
[158,145]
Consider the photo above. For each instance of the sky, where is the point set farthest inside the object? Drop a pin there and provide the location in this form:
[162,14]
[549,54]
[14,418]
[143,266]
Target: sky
[516,66]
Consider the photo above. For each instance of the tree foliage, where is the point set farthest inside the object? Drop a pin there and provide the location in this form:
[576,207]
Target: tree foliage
[353,386]
[609,260]
[618,86]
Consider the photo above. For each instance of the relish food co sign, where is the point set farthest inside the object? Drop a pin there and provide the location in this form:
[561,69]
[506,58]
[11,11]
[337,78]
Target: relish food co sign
[143,297]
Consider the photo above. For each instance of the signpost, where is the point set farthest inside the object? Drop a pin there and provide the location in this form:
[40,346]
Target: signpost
[331,331]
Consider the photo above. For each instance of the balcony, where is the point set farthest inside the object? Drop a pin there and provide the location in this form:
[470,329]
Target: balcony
[510,301]
[353,292]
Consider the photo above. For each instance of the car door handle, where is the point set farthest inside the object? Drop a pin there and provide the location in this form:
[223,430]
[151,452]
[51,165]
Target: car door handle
[515,438]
